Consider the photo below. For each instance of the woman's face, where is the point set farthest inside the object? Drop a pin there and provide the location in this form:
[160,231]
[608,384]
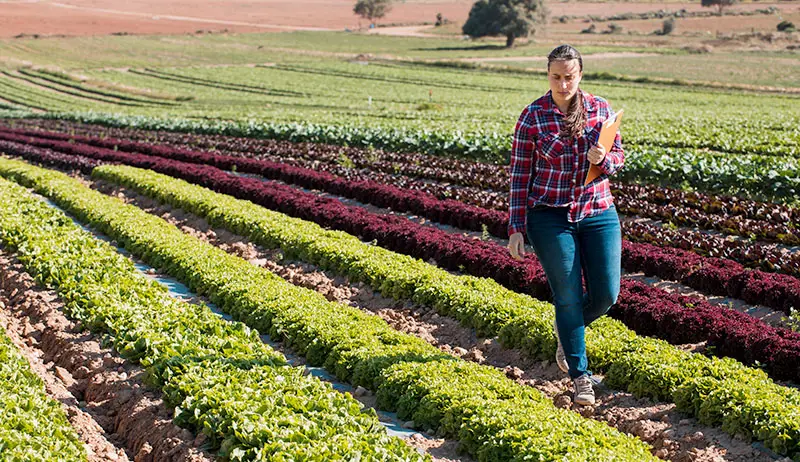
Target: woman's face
[564,77]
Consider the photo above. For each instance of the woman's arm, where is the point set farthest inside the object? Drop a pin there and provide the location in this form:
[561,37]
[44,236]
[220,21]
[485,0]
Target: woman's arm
[522,165]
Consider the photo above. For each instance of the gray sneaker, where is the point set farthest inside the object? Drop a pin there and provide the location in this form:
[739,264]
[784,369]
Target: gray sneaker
[561,358]
[584,393]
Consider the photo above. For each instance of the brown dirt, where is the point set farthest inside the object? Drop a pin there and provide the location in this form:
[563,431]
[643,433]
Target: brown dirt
[671,434]
[708,26]
[105,397]
[56,380]
[102,17]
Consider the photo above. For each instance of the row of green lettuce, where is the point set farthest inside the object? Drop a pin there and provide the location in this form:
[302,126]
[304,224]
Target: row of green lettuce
[225,382]
[494,418]
[742,400]
[771,178]
[33,426]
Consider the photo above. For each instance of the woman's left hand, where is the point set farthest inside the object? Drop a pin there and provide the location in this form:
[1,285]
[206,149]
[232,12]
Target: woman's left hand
[597,153]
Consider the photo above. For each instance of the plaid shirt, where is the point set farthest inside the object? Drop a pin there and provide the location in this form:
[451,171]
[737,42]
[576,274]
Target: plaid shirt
[558,166]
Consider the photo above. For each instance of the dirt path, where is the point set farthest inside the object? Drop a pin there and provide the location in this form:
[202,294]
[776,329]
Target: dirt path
[97,445]
[672,434]
[105,396]
[405,31]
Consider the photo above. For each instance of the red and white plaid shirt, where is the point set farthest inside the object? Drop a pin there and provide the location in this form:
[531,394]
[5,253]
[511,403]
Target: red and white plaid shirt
[549,169]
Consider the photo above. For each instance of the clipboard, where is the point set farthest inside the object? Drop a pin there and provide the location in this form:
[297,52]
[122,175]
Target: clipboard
[606,139]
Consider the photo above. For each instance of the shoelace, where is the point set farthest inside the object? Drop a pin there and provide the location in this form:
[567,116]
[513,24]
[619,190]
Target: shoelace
[583,385]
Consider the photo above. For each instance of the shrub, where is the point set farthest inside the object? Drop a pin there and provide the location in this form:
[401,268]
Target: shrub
[786,26]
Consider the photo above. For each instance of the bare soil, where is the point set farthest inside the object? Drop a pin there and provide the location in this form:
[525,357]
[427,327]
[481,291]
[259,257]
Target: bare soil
[672,434]
[103,17]
[104,396]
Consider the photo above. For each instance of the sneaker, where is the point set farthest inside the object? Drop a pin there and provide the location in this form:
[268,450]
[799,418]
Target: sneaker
[584,393]
[561,358]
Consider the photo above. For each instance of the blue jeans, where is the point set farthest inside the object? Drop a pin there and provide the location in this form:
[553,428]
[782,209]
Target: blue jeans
[591,248]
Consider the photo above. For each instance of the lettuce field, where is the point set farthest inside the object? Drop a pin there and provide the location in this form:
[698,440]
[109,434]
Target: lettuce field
[303,258]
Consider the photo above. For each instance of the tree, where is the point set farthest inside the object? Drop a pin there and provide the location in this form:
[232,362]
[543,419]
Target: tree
[509,18]
[720,4]
[372,9]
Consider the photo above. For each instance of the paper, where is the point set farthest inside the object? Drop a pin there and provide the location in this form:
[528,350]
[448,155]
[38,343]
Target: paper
[606,139]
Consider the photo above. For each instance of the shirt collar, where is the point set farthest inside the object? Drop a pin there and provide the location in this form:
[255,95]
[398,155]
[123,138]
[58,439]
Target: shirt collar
[588,102]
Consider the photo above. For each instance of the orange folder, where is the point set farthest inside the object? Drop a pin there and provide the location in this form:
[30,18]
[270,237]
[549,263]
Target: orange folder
[607,134]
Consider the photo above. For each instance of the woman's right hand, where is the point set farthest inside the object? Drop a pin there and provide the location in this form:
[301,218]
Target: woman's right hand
[516,245]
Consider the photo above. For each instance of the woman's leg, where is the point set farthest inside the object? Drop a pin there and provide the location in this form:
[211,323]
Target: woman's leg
[554,240]
[600,244]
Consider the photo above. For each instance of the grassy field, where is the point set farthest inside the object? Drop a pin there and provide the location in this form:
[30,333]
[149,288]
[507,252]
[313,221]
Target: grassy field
[206,49]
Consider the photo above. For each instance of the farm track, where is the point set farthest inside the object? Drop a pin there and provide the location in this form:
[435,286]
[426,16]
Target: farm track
[106,399]
[671,434]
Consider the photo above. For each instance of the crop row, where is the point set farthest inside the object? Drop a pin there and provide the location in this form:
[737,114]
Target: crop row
[33,426]
[10,91]
[66,90]
[201,362]
[479,303]
[648,388]
[719,173]
[76,85]
[734,334]
[155,73]
[476,175]
[751,254]
[716,276]
[710,212]
[466,400]
[768,257]
[450,171]
[525,329]
[60,83]
[772,224]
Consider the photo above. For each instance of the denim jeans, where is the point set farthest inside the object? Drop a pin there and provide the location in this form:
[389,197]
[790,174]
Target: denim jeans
[590,249]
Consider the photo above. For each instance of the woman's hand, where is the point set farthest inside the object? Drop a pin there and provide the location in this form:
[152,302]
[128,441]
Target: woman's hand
[516,244]
[596,154]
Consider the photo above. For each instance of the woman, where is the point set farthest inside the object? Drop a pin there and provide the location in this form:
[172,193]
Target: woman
[573,228]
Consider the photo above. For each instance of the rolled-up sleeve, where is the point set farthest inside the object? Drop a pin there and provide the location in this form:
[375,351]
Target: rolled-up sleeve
[522,152]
